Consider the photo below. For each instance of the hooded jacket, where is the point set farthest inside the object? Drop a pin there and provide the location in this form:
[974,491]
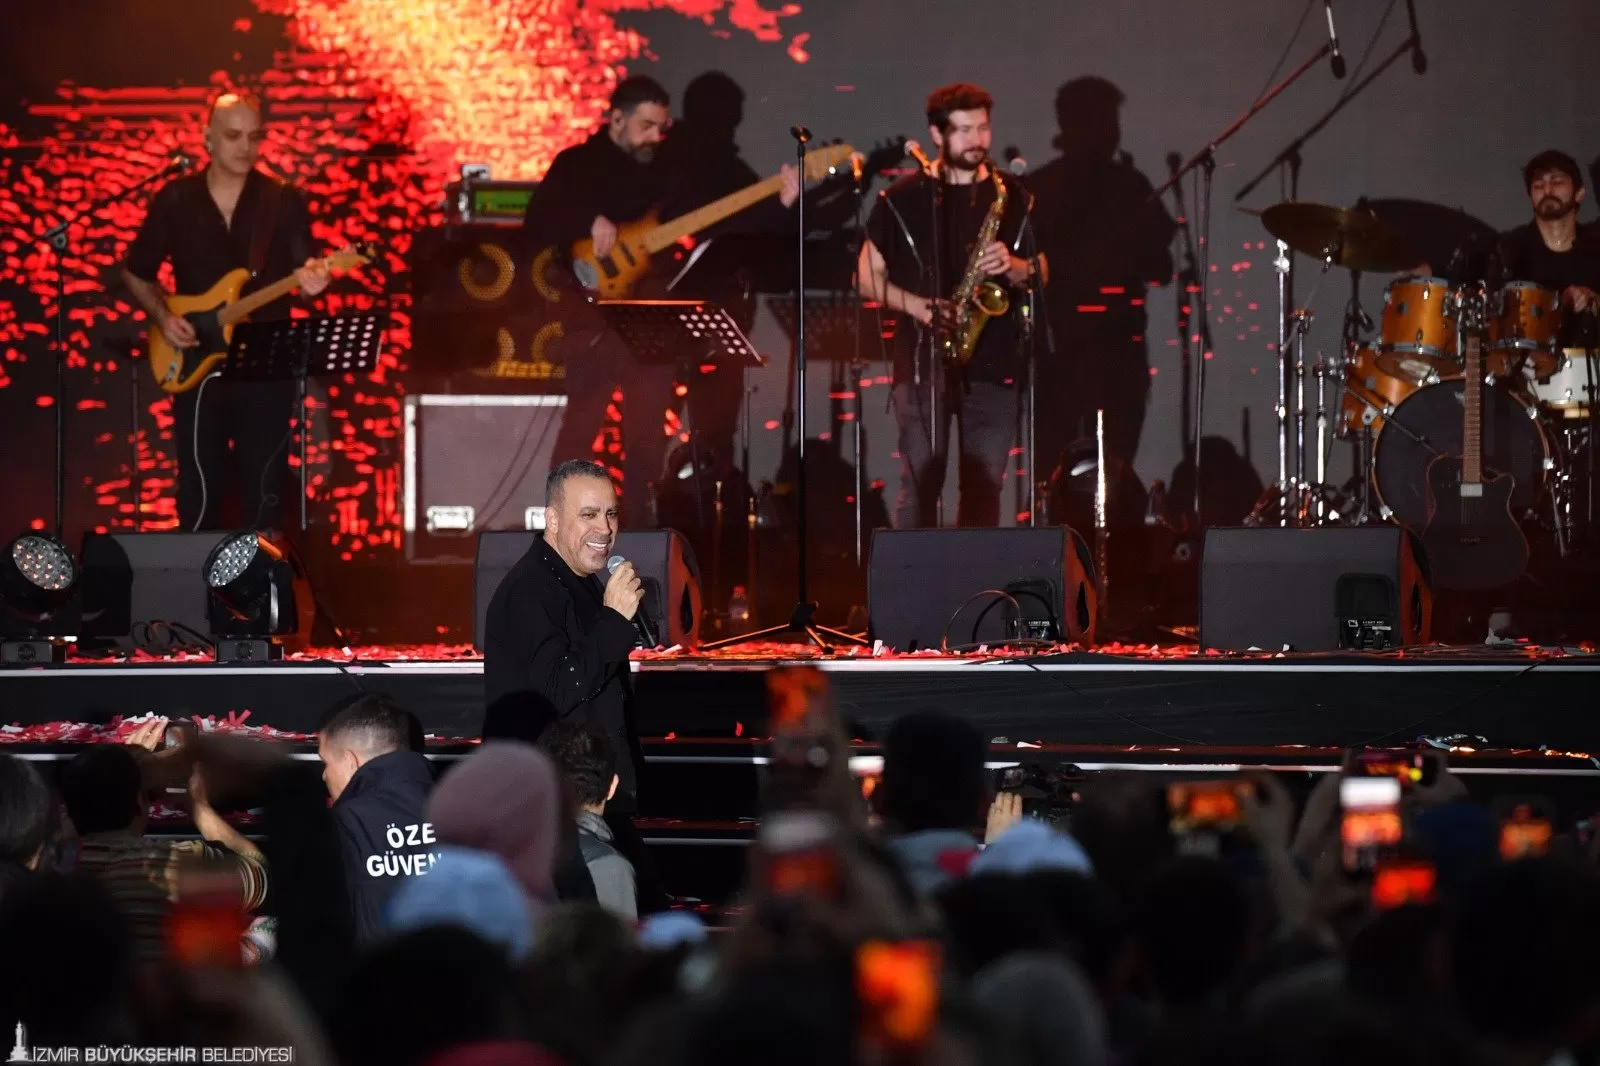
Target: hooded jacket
[384,832]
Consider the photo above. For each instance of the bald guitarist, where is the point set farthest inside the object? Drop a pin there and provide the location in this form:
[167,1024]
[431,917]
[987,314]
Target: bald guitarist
[590,190]
[230,437]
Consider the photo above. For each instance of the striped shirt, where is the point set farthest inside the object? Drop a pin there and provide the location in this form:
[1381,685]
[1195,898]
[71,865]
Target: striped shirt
[143,877]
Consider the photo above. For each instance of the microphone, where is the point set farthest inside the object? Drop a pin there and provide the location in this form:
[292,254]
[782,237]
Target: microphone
[1014,161]
[914,150]
[180,161]
[1419,58]
[1336,58]
[801,134]
[639,621]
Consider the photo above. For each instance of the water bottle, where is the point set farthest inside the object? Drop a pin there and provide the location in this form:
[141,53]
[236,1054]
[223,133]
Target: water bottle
[739,607]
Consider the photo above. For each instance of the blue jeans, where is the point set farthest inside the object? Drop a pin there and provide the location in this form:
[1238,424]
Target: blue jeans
[987,415]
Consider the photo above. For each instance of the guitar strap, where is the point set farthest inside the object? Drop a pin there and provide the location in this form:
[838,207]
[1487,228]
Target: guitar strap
[265,226]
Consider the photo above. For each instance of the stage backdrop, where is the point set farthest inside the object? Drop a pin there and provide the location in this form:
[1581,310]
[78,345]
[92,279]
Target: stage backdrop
[375,103]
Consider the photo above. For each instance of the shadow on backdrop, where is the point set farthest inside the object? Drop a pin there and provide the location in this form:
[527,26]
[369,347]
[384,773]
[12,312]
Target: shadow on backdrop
[1107,242]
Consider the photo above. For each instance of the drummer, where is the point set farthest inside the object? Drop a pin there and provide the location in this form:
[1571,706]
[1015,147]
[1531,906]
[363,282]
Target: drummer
[1552,250]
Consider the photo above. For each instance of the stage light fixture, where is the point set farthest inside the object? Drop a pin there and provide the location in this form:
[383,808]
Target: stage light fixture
[38,578]
[257,597]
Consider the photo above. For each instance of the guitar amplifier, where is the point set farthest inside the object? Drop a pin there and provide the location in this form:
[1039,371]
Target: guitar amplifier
[474,463]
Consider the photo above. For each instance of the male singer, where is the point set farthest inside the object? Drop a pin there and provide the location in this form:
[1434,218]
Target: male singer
[557,638]
[559,630]
[920,239]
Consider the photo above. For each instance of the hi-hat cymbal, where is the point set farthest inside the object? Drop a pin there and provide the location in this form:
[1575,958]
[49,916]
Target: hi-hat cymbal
[1353,238]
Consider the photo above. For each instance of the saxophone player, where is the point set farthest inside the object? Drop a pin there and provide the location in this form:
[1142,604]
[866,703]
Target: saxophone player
[949,230]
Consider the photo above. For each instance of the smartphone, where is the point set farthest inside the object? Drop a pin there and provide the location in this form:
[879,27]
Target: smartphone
[1369,821]
[1205,805]
[897,985]
[1526,828]
[206,928]
[1406,766]
[1397,882]
[799,853]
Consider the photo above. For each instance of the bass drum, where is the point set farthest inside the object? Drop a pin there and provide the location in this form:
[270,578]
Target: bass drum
[1428,423]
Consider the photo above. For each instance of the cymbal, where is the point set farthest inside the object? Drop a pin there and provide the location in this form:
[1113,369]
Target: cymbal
[1353,238]
[1441,235]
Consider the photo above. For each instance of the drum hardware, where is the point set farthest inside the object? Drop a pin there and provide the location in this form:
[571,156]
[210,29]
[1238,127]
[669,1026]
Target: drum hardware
[1321,372]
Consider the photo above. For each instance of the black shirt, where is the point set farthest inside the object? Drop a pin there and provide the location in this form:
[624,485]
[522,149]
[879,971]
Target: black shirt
[553,651]
[185,226]
[1525,257]
[904,229]
[589,179]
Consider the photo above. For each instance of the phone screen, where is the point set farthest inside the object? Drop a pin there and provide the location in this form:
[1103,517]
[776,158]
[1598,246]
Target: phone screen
[1395,884]
[1204,805]
[1370,819]
[1405,767]
[800,856]
[1525,832]
[897,985]
[207,930]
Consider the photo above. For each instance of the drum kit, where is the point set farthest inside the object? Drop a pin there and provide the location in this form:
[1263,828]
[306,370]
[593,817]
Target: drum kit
[1399,382]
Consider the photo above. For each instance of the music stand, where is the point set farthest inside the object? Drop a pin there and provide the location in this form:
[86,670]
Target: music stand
[835,324]
[301,349]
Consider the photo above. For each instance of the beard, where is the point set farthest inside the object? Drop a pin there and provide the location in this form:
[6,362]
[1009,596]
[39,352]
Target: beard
[643,153]
[1550,208]
[969,160]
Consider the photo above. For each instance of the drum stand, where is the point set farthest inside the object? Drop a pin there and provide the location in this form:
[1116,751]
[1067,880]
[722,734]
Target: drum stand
[1298,500]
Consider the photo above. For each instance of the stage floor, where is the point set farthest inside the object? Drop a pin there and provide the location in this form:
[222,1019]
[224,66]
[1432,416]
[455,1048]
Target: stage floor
[1508,697]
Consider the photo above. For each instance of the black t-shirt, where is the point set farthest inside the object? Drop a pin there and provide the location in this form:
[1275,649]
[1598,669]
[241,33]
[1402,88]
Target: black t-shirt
[185,226]
[912,218]
[1525,257]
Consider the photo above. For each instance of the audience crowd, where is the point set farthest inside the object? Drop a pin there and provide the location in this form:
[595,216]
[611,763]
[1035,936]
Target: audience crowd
[492,917]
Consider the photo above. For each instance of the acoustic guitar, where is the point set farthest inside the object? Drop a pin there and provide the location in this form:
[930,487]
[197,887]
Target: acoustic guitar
[1471,539]
[613,275]
[215,312]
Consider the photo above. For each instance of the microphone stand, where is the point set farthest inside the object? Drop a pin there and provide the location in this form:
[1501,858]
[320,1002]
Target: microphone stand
[58,239]
[1205,160]
[802,619]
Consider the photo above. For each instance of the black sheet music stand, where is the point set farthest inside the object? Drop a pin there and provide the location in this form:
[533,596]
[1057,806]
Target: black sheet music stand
[301,349]
[840,327]
[680,331]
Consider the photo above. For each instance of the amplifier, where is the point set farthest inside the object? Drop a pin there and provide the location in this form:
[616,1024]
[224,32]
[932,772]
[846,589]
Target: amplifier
[474,463]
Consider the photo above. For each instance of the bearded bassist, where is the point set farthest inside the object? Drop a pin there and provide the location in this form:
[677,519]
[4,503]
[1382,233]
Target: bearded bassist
[589,191]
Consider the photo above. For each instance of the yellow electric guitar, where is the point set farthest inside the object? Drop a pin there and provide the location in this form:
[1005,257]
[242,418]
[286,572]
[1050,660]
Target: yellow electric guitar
[215,312]
[612,276]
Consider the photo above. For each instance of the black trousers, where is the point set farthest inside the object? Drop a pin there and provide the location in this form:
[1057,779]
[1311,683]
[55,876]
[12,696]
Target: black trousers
[232,441]
[597,362]
[986,414]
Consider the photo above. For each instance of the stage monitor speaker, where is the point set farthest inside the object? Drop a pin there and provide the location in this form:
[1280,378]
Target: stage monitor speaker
[1353,589]
[662,557]
[965,587]
[147,591]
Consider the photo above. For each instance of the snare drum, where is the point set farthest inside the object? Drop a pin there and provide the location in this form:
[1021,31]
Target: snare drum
[1419,326]
[1370,395]
[1524,320]
[1570,391]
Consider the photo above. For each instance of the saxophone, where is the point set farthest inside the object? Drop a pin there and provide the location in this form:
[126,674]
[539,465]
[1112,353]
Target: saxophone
[978,298]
